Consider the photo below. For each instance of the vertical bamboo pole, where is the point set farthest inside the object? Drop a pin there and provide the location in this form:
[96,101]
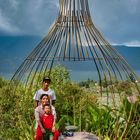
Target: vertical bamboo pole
[80,117]
[74,115]
[86,115]
[67,109]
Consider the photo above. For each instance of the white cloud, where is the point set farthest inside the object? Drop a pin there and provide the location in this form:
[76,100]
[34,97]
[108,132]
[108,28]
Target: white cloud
[7,26]
[118,20]
[133,44]
[14,4]
[27,17]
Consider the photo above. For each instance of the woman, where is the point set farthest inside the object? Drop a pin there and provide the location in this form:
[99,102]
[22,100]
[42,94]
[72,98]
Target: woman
[39,111]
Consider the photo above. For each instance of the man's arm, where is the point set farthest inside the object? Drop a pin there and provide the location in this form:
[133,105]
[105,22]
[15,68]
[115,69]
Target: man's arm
[53,97]
[53,102]
[36,99]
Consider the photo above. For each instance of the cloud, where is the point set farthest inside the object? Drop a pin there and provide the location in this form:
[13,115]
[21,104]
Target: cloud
[118,20]
[28,17]
[14,4]
[7,26]
[133,44]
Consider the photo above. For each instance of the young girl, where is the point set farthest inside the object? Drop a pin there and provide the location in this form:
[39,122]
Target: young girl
[48,123]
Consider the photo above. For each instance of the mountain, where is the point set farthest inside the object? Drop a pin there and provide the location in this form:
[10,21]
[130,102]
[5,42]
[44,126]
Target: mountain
[131,54]
[14,49]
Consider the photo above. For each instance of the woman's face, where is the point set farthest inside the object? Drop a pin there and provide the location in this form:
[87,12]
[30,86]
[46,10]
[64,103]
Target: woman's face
[44,100]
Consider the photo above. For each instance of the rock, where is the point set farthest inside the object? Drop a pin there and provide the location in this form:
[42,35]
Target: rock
[81,136]
[71,128]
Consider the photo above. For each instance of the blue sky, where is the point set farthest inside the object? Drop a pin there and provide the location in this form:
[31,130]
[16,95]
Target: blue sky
[118,20]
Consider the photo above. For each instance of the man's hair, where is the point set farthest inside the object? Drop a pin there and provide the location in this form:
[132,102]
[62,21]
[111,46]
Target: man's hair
[47,79]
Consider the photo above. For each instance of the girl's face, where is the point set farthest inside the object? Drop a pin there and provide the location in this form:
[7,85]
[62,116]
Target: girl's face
[47,109]
[44,100]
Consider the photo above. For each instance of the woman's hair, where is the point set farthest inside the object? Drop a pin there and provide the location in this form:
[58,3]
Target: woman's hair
[43,96]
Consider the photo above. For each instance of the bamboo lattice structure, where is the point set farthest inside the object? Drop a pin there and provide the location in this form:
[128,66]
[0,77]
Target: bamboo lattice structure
[74,37]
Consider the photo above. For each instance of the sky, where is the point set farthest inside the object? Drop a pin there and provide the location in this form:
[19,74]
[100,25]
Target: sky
[118,20]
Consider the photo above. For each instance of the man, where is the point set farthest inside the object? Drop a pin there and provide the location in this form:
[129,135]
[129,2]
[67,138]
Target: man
[45,90]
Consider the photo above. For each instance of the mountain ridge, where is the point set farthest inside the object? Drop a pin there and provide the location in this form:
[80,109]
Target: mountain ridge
[14,49]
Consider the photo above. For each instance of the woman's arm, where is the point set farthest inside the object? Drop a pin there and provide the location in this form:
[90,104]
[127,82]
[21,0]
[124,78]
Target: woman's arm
[42,128]
[38,120]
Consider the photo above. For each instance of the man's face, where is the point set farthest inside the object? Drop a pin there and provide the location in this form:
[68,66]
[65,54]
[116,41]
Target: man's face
[46,83]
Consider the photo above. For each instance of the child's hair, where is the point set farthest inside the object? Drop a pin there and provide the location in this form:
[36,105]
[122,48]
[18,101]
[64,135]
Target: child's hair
[47,105]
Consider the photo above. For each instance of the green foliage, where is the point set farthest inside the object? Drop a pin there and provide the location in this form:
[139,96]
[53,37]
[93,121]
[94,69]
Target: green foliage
[16,110]
[130,111]
[107,82]
[3,82]
[88,83]
[75,105]
[125,86]
[8,112]
[27,131]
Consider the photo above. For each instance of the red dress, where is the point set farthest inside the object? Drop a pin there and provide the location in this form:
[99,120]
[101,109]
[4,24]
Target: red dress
[48,121]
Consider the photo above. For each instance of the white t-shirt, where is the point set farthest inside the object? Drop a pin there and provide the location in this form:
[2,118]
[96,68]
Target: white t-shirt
[50,92]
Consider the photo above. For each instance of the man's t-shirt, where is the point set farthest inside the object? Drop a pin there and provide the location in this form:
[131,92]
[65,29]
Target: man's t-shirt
[50,93]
